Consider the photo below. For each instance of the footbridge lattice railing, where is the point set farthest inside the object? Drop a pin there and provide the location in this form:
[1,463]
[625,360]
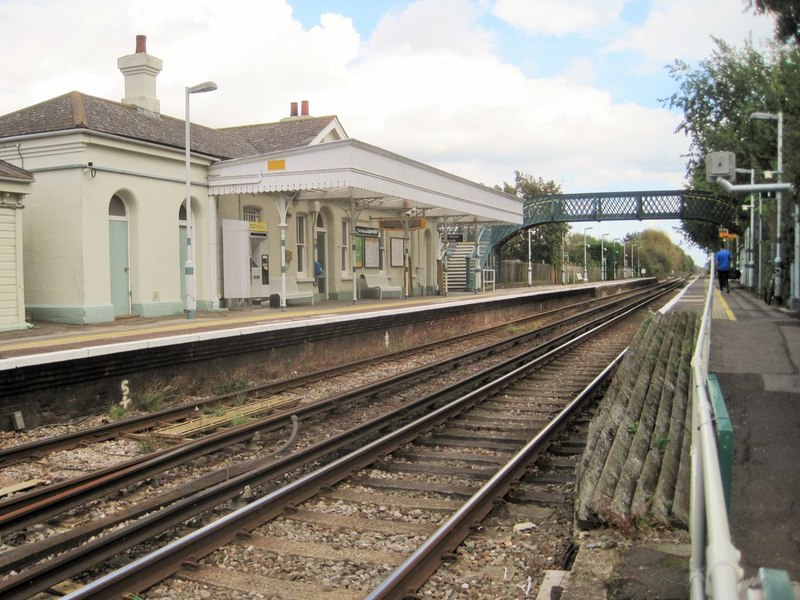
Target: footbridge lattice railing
[618,206]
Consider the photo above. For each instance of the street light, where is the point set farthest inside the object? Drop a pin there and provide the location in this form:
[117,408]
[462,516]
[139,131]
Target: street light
[190,300]
[585,269]
[602,259]
[530,260]
[750,264]
[624,259]
[778,263]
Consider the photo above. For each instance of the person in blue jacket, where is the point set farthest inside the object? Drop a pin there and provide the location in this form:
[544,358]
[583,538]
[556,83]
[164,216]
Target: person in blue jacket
[722,260]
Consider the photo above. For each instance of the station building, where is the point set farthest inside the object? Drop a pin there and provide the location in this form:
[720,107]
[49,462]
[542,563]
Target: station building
[287,211]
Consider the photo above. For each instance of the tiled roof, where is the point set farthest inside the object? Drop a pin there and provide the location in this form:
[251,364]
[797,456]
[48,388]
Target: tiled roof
[294,132]
[9,171]
[77,110]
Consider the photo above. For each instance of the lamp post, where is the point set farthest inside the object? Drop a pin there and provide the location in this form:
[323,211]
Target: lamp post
[624,259]
[778,262]
[635,268]
[585,264]
[750,264]
[602,259]
[618,241]
[190,300]
[530,260]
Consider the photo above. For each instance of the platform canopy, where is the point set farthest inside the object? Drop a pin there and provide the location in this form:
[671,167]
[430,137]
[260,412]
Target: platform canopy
[371,176]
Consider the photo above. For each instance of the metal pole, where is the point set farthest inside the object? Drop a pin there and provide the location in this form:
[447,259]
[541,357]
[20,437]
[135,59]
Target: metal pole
[530,263]
[779,197]
[624,260]
[190,300]
[585,265]
[602,259]
[760,243]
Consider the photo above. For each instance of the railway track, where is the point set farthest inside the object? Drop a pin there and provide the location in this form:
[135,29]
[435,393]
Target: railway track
[23,510]
[84,557]
[187,410]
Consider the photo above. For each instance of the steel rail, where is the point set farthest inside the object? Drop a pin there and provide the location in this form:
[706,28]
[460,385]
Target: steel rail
[408,577]
[165,561]
[22,510]
[38,448]
[89,554]
[192,502]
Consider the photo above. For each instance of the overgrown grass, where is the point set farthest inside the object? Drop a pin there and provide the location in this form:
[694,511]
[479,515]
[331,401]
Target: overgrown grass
[231,381]
[117,412]
[154,396]
[240,420]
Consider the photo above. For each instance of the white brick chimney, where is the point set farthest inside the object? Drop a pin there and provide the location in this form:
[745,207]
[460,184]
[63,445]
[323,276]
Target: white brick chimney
[140,71]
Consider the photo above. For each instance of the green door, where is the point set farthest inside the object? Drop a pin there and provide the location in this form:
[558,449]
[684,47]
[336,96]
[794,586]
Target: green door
[120,268]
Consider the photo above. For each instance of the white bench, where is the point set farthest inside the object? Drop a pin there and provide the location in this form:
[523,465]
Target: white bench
[293,292]
[381,284]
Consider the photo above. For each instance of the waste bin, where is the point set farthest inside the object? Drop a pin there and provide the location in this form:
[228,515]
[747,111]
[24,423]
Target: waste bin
[275,301]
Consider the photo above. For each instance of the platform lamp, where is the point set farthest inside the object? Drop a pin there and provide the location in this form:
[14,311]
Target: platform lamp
[190,300]
[585,264]
[778,263]
[750,249]
[602,258]
[618,241]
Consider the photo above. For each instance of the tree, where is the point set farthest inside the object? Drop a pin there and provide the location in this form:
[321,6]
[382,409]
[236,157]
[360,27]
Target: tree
[717,99]
[660,257]
[546,238]
[787,14]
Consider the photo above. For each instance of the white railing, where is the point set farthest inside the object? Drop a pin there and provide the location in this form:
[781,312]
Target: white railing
[714,565]
[487,279]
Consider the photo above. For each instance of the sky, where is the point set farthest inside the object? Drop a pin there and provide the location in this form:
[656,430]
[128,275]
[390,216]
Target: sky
[567,90]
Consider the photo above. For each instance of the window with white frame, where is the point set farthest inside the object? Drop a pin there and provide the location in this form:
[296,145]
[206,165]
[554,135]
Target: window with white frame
[345,246]
[251,214]
[301,244]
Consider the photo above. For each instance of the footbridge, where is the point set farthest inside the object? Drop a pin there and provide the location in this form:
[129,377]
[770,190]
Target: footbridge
[620,206]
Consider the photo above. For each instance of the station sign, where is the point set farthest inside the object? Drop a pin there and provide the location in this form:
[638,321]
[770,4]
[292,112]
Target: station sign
[368,231]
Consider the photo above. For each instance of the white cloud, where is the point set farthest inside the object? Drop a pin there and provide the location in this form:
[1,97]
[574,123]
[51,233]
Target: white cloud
[427,83]
[558,17]
[684,29]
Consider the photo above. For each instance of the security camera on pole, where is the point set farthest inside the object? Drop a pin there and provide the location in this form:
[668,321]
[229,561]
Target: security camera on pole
[721,169]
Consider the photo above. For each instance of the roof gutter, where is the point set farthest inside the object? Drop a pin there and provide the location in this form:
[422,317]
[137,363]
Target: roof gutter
[110,136]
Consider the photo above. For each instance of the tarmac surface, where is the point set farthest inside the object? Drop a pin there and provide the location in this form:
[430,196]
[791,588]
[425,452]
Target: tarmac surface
[755,353]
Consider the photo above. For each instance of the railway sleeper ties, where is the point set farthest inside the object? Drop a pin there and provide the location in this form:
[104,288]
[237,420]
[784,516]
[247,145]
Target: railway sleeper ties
[255,513]
[239,490]
[37,449]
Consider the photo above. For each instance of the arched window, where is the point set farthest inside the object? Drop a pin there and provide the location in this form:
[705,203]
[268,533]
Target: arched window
[116,207]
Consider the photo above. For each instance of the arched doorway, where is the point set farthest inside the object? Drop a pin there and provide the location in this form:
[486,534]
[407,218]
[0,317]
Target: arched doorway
[119,256]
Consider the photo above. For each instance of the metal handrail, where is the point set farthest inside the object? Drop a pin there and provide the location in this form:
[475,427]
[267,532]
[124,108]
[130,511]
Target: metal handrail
[717,557]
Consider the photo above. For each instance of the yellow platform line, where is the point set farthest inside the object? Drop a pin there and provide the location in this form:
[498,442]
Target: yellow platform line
[719,297]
